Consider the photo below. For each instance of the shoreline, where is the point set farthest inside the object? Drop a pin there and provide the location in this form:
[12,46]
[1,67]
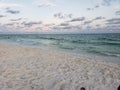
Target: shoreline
[30,68]
[82,55]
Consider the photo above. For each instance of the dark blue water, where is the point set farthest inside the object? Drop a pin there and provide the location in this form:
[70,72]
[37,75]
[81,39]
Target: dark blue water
[105,46]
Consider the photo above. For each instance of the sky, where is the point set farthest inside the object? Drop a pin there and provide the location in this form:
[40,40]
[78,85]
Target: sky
[59,16]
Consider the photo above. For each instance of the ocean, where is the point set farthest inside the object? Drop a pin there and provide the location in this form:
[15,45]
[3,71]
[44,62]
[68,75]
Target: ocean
[96,46]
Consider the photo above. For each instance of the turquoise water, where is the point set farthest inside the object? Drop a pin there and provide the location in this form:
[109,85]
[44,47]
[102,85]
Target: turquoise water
[102,46]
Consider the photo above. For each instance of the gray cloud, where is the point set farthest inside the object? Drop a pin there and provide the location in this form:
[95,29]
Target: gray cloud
[62,15]
[88,22]
[9,24]
[77,19]
[16,19]
[10,28]
[108,2]
[113,21]
[94,7]
[68,27]
[13,11]
[89,9]
[49,25]
[97,6]
[117,12]
[103,3]
[29,24]
[64,24]
[112,27]
[99,18]
[1,16]
[98,25]
[12,24]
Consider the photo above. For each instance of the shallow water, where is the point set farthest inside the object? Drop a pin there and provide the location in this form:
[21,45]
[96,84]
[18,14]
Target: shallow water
[102,46]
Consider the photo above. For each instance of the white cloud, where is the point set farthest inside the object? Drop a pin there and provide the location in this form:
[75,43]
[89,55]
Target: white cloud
[5,5]
[45,3]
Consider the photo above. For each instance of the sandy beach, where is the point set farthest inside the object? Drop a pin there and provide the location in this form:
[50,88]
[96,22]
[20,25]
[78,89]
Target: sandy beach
[29,68]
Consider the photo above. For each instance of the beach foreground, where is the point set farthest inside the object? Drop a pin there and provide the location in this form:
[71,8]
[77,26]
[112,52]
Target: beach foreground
[28,68]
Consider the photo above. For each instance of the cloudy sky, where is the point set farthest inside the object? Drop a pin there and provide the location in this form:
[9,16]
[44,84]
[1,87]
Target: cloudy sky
[59,16]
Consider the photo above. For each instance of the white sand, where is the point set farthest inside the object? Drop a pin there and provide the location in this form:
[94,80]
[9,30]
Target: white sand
[25,68]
